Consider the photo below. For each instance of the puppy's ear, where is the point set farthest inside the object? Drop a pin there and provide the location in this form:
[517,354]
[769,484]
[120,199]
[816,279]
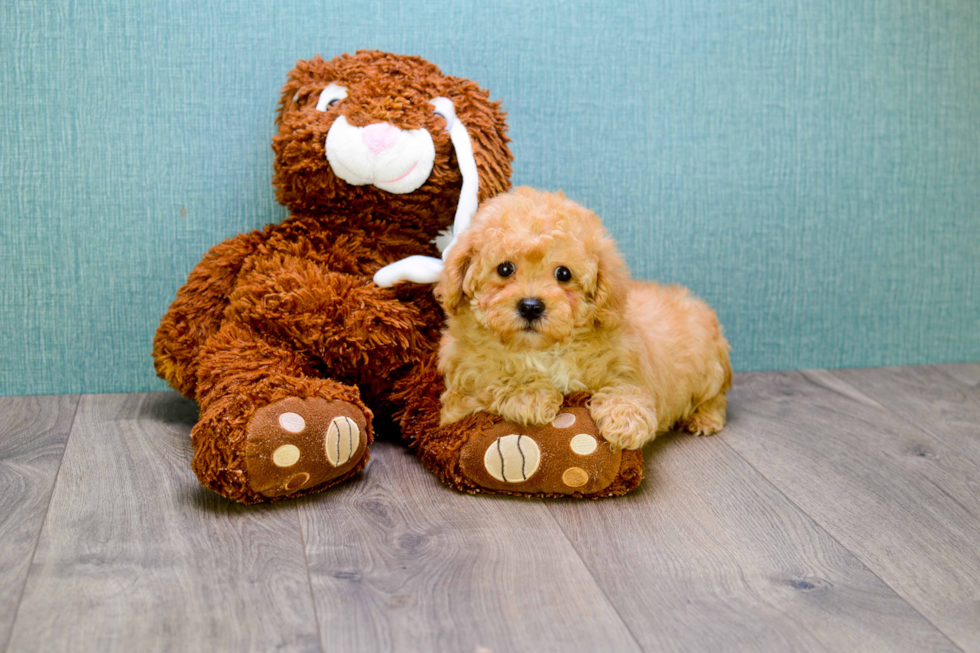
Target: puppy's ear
[449,288]
[611,285]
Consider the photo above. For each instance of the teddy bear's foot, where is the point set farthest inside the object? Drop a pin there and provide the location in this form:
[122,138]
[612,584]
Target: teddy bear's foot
[565,457]
[297,444]
[483,453]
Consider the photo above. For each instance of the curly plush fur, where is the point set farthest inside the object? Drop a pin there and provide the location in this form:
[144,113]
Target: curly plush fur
[289,347]
[540,305]
[440,447]
[290,310]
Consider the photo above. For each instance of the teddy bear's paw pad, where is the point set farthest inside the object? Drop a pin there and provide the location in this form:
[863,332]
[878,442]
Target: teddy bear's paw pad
[296,444]
[566,456]
[513,458]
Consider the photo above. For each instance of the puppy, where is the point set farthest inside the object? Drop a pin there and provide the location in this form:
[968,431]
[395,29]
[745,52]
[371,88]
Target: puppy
[539,304]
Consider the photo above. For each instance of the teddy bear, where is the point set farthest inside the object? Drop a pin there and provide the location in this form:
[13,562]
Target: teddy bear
[299,340]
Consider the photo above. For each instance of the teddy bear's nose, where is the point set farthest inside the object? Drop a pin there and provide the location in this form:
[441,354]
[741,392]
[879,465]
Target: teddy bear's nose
[530,308]
[379,137]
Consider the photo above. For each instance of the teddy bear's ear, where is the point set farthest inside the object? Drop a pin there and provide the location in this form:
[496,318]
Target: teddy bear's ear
[449,289]
[486,124]
[611,284]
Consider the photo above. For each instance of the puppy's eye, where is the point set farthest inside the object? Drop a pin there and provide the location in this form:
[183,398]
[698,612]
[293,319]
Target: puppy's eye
[563,274]
[505,269]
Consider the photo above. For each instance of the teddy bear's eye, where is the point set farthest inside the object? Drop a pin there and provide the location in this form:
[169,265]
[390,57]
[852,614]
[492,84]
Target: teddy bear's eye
[563,274]
[330,96]
[505,269]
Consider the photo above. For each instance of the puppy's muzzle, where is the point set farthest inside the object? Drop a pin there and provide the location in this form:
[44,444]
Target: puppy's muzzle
[530,308]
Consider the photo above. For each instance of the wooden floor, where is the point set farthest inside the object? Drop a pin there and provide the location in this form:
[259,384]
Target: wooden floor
[840,510]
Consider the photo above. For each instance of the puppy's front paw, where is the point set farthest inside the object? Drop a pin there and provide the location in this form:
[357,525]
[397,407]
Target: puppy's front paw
[624,421]
[455,406]
[535,407]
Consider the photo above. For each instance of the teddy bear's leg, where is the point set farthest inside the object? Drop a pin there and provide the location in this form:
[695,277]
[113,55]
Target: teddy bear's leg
[197,312]
[483,453]
[268,427]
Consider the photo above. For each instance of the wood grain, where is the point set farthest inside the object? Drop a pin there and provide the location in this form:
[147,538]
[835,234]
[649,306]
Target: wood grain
[838,511]
[899,498]
[136,556]
[708,556]
[967,374]
[400,563]
[33,433]
[929,397]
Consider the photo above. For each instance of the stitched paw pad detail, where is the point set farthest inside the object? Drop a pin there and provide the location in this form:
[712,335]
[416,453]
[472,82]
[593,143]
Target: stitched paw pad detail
[342,439]
[296,444]
[513,458]
[566,456]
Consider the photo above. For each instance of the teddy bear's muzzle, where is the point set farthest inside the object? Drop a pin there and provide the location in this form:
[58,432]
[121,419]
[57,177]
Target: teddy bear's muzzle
[392,159]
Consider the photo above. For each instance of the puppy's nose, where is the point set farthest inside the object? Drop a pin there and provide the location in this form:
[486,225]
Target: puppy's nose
[530,308]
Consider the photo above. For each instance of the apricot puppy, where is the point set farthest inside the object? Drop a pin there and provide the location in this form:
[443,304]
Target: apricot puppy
[540,304]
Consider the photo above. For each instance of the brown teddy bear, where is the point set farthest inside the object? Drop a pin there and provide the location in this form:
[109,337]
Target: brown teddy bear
[296,339]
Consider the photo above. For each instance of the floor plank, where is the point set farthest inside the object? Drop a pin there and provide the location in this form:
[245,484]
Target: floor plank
[966,373]
[33,433]
[400,563]
[929,397]
[901,500]
[839,511]
[708,556]
[135,555]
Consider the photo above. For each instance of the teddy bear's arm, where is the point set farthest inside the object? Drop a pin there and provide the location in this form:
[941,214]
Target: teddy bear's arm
[197,311]
[414,269]
[357,329]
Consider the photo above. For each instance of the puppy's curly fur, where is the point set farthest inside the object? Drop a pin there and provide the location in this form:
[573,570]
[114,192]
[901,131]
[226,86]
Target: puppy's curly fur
[540,304]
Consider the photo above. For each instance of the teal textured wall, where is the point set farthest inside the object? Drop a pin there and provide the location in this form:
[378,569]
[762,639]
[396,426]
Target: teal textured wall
[812,168]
